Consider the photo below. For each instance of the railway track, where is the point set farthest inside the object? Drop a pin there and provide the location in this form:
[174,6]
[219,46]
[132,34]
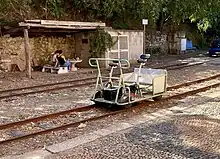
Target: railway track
[46,87]
[65,119]
[72,83]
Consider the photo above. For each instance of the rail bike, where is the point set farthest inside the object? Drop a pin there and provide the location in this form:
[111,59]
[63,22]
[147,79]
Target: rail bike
[123,89]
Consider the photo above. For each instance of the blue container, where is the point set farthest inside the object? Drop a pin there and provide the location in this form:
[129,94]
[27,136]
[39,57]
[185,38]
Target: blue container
[189,44]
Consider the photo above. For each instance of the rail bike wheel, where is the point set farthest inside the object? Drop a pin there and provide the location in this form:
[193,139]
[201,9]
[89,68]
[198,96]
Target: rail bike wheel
[98,94]
[157,98]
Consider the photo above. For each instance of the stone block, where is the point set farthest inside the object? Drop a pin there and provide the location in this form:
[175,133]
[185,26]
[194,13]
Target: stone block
[38,154]
[41,49]
[69,144]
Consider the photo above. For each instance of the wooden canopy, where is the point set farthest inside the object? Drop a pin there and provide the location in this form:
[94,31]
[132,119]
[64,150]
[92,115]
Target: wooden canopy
[51,24]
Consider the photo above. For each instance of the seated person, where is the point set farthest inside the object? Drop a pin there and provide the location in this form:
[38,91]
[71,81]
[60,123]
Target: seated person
[54,59]
[61,60]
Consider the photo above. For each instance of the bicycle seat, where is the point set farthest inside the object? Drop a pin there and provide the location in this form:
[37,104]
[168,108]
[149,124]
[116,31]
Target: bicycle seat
[145,56]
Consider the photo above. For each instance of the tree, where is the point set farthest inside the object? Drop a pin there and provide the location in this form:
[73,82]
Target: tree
[19,10]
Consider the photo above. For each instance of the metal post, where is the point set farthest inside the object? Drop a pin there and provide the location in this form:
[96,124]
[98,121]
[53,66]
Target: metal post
[144,22]
[119,49]
[144,40]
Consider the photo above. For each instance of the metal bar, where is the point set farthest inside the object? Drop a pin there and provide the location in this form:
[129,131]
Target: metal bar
[45,90]
[65,87]
[193,82]
[181,95]
[111,77]
[110,74]
[144,40]
[47,85]
[40,118]
[119,86]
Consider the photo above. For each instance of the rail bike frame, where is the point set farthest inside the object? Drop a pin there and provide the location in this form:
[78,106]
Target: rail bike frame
[142,84]
[100,86]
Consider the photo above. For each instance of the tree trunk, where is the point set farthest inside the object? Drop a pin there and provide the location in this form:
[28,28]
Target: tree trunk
[172,41]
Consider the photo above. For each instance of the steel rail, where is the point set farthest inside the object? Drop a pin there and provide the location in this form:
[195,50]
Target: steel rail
[46,85]
[8,125]
[172,65]
[67,82]
[35,119]
[177,96]
[193,82]
[47,116]
[46,90]
[185,66]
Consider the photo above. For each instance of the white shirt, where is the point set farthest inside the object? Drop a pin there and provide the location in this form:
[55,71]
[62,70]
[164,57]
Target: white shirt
[54,58]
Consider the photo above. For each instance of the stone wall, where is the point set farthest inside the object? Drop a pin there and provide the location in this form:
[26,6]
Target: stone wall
[156,43]
[12,50]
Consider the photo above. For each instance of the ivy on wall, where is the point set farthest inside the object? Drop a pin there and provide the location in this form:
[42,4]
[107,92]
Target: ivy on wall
[100,42]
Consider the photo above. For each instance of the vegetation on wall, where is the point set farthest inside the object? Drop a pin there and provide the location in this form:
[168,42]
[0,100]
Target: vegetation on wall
[123,14]
[100,42]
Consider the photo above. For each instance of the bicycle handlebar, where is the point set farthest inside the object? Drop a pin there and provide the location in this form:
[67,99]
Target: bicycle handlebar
[120,61]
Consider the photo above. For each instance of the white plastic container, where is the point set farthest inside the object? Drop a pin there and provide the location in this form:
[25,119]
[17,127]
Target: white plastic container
[183,45]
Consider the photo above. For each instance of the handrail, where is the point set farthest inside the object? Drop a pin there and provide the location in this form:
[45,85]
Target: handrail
[109,59]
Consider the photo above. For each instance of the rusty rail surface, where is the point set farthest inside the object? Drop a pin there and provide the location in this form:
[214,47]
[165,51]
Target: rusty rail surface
[12,94]
[46,90]
[185,66]
[48,116]
[47,85]
[8,125]
[176,96]
[193,82]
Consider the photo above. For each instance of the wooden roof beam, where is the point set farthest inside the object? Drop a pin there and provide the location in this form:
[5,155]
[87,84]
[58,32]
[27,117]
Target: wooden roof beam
[22,24]
[67,23]
[33,21]
[72,23]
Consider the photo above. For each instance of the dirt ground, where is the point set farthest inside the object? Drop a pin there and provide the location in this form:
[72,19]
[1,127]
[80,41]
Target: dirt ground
[196,136]
[18,108]
[11,80]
